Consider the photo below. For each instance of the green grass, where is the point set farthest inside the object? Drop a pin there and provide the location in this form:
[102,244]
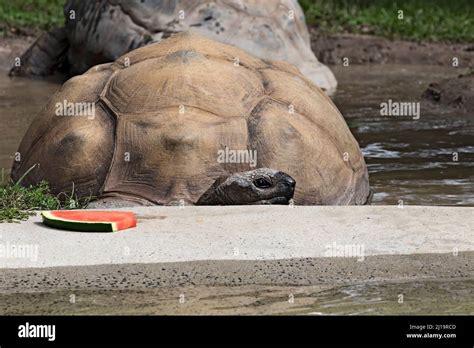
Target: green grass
[431,20]
[18,203]
[31,14]
[434,20]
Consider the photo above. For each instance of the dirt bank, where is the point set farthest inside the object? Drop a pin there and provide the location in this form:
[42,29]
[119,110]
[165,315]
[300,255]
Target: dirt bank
[454,93]
[363,49]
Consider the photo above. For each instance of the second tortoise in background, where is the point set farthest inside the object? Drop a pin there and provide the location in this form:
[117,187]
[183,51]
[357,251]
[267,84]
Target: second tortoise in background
[97,32]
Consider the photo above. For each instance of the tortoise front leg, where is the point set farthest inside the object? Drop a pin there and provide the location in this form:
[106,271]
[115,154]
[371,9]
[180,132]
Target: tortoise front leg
[46,56]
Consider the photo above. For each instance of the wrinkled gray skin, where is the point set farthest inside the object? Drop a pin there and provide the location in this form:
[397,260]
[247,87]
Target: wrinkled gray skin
[100,31]
[259,186]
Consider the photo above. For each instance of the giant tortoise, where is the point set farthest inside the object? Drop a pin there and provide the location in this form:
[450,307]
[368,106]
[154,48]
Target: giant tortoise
[196,121]
[98,32]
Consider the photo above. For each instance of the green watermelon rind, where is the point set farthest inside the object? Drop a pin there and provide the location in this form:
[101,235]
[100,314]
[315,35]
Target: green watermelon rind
[53,221]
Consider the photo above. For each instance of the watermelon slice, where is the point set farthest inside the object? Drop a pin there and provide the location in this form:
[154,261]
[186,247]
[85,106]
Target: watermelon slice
[89,221]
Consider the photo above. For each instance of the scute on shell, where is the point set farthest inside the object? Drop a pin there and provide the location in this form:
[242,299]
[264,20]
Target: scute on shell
[165,110]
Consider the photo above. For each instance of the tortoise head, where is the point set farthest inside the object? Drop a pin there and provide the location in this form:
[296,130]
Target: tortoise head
[259,186]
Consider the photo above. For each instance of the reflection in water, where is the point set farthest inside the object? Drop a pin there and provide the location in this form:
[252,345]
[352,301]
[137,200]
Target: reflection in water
[408,160]
[20,101]
[421,297]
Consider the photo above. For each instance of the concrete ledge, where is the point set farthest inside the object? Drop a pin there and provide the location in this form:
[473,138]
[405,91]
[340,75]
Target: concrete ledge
[248,245]
[171,234]
[295,271]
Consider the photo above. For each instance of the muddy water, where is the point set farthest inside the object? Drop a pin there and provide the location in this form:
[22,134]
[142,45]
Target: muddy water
[20,101]
[420,297]
[409,160]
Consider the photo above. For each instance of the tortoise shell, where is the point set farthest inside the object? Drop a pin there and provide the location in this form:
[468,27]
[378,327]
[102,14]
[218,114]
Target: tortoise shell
[164,113]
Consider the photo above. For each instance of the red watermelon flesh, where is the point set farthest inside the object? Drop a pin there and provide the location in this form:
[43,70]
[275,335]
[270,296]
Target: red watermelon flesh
[89,221]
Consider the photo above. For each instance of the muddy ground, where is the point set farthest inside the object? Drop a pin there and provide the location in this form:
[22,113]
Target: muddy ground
[367,49]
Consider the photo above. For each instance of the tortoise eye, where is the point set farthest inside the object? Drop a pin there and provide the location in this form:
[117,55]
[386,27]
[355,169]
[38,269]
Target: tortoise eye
[262,183]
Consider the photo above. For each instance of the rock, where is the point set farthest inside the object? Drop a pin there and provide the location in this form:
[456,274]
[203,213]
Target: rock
[455,92]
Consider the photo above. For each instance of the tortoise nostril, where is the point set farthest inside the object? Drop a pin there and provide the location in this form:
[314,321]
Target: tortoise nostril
[291,182]
[288,180]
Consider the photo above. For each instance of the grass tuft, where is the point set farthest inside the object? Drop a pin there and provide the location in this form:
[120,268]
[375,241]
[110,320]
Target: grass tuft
[18,203]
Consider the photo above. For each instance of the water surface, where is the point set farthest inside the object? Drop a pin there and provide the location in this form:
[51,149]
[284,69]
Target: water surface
[20,100]
[410,161]
[420,297]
